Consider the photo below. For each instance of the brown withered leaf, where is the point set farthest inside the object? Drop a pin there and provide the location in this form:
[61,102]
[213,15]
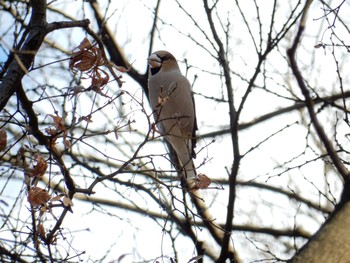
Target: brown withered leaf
[67,201]
[23,154]
[86,58]
[99,79]
[58,122]
[89,60]
[39,168]
[3,139]
[50,131]
[67,143]
[201,181]
[41,232]
[38,196]
[87,118]
[43,210]
[41,165]
[57,197]
[59,127]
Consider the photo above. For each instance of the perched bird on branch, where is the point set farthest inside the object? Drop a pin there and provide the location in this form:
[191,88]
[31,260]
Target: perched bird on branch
[170,95]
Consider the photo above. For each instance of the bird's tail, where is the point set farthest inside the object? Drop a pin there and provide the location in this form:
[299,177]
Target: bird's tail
[189,169]
[190,174]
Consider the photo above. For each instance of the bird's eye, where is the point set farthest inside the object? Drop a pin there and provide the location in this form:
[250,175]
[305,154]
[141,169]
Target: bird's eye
[163,58]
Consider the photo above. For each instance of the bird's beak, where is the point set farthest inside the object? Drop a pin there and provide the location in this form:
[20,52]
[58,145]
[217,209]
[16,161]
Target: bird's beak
[154,61]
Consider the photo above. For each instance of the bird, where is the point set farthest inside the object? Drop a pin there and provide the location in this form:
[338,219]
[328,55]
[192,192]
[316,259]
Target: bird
[172,102]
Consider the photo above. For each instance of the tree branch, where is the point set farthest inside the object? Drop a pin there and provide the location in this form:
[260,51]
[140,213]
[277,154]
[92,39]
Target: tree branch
[114,50]
[25,55]
[14,257]
[268,116]
[309,102]
[226,252]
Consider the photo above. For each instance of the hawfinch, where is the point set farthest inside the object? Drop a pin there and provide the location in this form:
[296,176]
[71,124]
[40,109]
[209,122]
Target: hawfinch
[173,108]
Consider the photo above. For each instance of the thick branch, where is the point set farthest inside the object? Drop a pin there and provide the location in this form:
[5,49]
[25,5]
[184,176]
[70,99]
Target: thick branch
[25,55]
[13,257]
[331,243]
[67,24]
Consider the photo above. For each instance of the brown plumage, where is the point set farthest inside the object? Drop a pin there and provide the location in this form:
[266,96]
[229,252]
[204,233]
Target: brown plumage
[173,105]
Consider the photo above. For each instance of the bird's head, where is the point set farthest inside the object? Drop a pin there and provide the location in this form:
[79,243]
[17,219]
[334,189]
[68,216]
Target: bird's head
[162,60]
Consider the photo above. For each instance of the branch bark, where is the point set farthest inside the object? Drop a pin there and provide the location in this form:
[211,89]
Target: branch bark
[25,55]
[331,243]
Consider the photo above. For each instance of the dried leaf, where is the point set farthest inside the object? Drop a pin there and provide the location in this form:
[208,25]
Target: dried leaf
[58,123]
[38,196]
[84,44]
[43,210]
[67,201]
[53,239]
[23,154]
[50,131]
[201,181]
[3,139]
[41,165]
[86,58]
[39,168]
[41,232]
[67,143]
[100,78]
[57,197]
[59,127]
[204,181]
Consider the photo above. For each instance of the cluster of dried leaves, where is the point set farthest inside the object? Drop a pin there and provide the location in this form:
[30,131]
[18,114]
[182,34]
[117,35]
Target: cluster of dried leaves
[38,196]
[58,128]
[88,59]
[34,167]
[39,167]
[41,199]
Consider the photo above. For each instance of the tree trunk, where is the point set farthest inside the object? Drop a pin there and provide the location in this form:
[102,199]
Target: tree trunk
[331,243]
